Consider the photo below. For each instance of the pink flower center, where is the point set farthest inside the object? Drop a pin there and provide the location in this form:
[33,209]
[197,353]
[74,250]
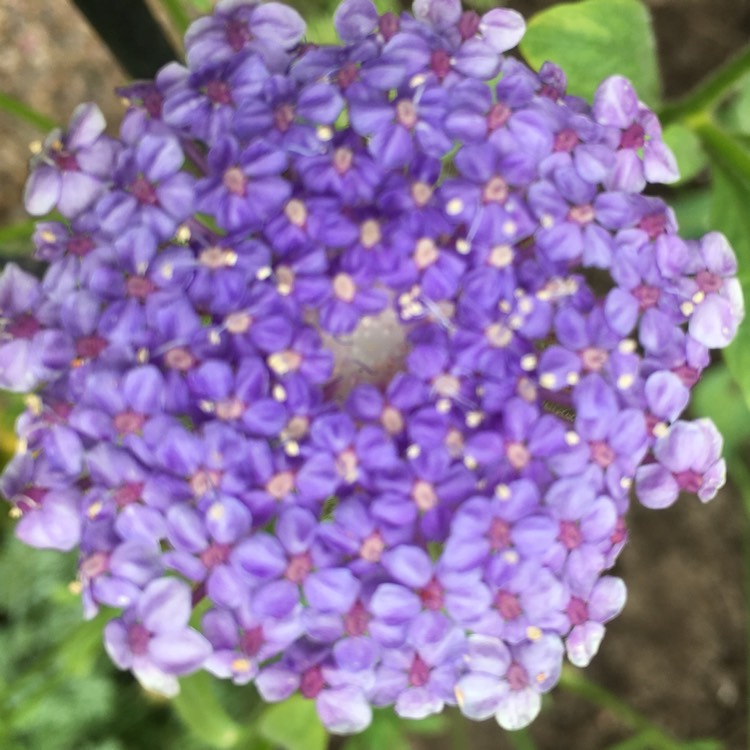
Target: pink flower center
[80,245]
[215,554]
[602,454]
[690,481]
[440,63]
[283,117]
[129,422]
[94,565]
[139,287]
[372,547]
[298,568]
[508,605]
[495,191]
[356,620]
[219,93]
[688,375]
[419,672]
[144,191]
[128,494]
[389,25]
[518,455]
[234,181]
[647,296]
[582,215]
[653,225]
[566,140]
[89,347]
[633,137]
[179,358]
[24,327]
[312,682]
[65,161]
[594,358]
[138,638]
[406,113]
[708,282]
[499,535]
[577,611]
[498,115]
[432,595]
[570,535]
[251,640]
[517,677]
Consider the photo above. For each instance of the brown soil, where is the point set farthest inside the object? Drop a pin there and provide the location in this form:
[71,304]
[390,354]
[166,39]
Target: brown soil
[678,652]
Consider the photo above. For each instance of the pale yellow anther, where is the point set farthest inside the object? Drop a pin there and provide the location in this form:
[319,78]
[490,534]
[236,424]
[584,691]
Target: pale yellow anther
[238,322]
[36,147]
[413,451]
[425,253]
[344,287]
[214,337]
[443,406]
[498,335]
[48,236]
[627,346]
[626,483]
[510,227]
[207,406]
[183,234]
[511,556]
[369,233]
[417,80]
[698,297]
[291,448]
[284,362]
[470,462]
[625,381]
[94,509]
[216,512]
[15,513]
[463,247]
[167,271]
[279,392]
[324,132]
[660,429]
[33,404]
[474,418]
[504,306]
[141,268]
[500,256]
[547,221]
[264,273]
[687,308]
[241,665]
[459,693]
[572,378]
[502,492]
[454,207]
[421,193]
[547,380]
[525,305]
[75,588]
[528,362]
[296,212]
[533,633]
[541,677]
[572,438]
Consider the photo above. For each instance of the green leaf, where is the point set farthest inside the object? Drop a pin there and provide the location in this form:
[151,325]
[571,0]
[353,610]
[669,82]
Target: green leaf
[718,396]
[730,198]
[17,108]
[293,725]
[693,211]
[199,708]
[594,39]
[691,158]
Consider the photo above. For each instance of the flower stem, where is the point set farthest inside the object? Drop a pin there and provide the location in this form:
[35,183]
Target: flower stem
[722,146]
[574,681]
[178,16]
[18,109]
[710,92]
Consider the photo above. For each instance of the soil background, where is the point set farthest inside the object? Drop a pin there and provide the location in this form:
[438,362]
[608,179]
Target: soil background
[678,651]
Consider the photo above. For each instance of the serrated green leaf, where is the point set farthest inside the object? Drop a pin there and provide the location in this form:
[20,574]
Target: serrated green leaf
[293,725]
[594,39]
[687,148]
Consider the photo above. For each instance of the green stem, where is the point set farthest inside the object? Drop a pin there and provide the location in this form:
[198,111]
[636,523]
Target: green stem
[723,147]
[23,230]
[177,15]
[574,681]
[710,92]
[18,109]
[520,740]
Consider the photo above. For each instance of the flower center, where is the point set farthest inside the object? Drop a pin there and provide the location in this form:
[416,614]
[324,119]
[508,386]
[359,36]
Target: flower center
[234,181]
[432,595]
[219,93]
[577,611]
[356,620]
[312,682]
[419,672]
[144,191]
[298,568]
[602,454]
[570,535]
[138,638]
[633,137]
[517,677]
[508,605]
[406,113]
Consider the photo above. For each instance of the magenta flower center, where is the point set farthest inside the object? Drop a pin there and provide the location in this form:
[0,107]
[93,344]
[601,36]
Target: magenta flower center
[419,672]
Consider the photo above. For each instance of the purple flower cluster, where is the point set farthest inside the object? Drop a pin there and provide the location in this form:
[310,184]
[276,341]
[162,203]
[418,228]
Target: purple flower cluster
[361,350]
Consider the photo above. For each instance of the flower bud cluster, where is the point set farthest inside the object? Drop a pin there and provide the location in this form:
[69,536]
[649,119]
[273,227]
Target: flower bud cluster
[360,349]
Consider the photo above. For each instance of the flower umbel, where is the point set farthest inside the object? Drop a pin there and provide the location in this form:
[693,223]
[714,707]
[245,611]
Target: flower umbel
[324,345]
